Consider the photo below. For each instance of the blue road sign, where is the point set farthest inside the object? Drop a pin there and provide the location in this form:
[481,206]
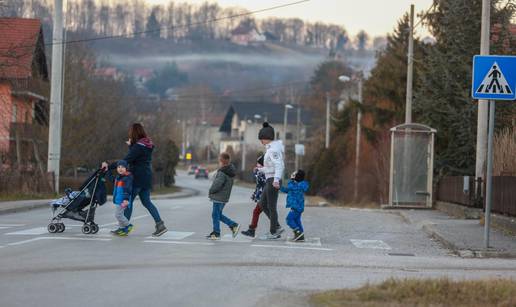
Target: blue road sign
[494,77]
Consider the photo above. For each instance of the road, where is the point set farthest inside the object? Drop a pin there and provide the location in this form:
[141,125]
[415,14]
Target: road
[345,248]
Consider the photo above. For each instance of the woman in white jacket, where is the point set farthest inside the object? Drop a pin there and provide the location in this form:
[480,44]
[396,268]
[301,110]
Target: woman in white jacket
[273,168]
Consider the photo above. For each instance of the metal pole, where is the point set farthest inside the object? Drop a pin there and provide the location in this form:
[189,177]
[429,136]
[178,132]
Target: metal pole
[483,104]
[489,183]
[243,152]
[298,133]
[357,149]
[56,115]
[410,69]
[285,123]
[327,143]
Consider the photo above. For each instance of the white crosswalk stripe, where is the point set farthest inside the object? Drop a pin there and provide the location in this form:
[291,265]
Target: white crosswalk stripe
[173,235]
[373,244]
[29,232]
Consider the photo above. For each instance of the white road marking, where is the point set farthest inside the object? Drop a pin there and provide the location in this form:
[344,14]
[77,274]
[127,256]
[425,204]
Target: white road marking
[103,233]
[12,225]
[132,219]
[173,235]
[178,242]
[307,242]
[238,239]
[293,247]
[2,246]
[32,231]
[3,227]
[56,238]
[373,244]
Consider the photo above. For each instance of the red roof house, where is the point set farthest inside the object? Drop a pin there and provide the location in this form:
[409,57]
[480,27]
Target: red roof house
[23,83]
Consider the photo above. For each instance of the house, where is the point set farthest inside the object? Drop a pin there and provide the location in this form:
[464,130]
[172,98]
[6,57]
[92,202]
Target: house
[23,88]
[203,136]
[243,121]
[246,34]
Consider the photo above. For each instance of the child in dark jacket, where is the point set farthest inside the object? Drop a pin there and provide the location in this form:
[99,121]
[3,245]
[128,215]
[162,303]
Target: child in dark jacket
[257,194]
[295,190]
[219,194]
[122,189]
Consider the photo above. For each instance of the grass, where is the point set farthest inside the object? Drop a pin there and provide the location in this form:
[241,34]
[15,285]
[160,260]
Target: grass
[423,292]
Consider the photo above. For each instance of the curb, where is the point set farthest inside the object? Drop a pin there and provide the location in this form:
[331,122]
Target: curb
[466,253]
[187,192]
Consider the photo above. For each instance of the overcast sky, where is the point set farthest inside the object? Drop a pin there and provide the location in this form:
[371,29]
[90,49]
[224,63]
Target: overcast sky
[377,17]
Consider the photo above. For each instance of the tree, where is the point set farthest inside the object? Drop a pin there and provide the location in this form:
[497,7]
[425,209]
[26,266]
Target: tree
[171,159]
[362,40]
[442,100]
[153,25]
[169,77]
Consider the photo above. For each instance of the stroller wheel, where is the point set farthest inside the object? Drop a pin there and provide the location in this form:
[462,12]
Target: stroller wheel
[60,227]
[86,229]
[52,228]
[94,228]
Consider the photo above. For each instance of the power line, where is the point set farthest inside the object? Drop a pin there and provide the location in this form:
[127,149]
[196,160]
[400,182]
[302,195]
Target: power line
[173,28]
[425,15]
[179,26]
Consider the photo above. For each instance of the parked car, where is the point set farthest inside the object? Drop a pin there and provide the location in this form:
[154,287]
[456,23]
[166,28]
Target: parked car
[201,173]
[192,169]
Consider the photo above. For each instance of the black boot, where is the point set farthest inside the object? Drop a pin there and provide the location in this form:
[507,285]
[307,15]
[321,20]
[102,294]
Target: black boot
[249,232]
[160,229]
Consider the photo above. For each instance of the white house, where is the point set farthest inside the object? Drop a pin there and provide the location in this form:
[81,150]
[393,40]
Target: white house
[243,121]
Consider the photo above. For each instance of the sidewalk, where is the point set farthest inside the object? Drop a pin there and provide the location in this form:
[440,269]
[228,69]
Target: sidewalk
[464,237]
[24,205]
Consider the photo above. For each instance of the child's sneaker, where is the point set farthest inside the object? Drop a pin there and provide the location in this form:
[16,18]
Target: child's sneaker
[235,230]
[130,228]
[115,231]
[298,236]
[213,236]
[249,232]
[123,232]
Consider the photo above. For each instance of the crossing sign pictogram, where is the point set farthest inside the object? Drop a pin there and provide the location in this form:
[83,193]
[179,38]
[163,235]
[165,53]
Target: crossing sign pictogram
[494,77]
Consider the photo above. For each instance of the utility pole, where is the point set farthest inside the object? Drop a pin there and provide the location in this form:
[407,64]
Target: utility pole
[327,143]
[243,149]
[410,69]
[56,102]
[298,132]
[489,175]
[483,104]
[357,149]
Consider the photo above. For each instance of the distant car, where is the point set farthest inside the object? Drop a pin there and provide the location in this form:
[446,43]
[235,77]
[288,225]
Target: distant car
[192,169]
[201,173]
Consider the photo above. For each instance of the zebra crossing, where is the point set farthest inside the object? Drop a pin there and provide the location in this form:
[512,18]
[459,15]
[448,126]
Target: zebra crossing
[171,237]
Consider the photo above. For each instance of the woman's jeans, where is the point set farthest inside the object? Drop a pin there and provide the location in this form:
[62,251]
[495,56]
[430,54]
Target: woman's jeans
[145,199]
[218,217]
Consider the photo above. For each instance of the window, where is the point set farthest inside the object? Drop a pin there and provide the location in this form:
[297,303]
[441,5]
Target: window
[288,136]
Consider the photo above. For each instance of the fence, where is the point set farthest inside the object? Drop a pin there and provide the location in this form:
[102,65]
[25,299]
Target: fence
[468,192]
[504,195]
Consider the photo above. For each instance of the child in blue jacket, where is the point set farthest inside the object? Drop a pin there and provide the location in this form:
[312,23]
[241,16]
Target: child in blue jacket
[297,187]
[122,189]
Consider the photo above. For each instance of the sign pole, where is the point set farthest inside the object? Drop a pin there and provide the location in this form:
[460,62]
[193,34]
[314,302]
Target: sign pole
[489,184]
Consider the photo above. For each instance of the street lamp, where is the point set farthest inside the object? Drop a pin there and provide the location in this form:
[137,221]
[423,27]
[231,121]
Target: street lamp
[285,119]
[357,148]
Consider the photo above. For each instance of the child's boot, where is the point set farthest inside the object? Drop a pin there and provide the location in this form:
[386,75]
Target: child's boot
[249,232]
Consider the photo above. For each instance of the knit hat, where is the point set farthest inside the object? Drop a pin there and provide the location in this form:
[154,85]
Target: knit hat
[122,163]
[299,175]
[266,133]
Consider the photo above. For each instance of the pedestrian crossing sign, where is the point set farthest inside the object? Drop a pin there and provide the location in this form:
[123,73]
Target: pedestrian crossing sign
[494,77]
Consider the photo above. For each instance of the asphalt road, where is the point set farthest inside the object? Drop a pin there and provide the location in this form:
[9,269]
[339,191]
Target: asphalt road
[344,248]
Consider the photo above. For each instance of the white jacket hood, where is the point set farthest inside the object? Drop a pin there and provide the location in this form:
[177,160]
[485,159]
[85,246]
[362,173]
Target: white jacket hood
[277,146]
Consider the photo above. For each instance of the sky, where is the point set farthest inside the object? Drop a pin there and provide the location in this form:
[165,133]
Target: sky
[377,17]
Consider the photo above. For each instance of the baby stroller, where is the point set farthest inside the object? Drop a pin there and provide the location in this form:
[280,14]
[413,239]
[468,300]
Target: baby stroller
[91,194]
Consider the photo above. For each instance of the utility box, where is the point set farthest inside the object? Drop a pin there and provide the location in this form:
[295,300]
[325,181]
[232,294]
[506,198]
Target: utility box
[412,164]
